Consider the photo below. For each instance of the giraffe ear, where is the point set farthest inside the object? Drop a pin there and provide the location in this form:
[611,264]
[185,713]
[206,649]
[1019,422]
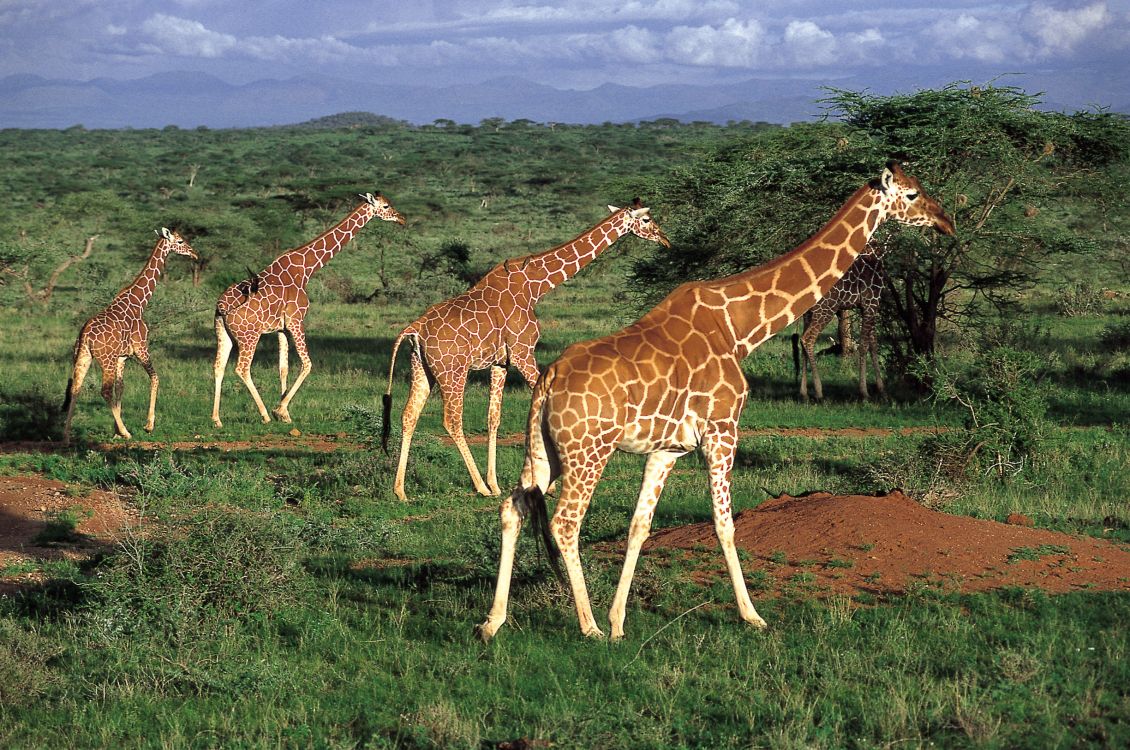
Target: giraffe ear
[886,180]
[166,233]
[612,209]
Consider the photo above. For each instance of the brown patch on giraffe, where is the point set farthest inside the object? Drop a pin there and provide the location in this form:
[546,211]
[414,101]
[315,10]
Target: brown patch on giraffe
[823,544]
[28,504]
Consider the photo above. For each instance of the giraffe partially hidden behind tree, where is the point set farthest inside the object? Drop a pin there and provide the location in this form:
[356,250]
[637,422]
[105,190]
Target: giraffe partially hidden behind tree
[118,333]
[672,382]
[860,288]
[490,325]
[274,300]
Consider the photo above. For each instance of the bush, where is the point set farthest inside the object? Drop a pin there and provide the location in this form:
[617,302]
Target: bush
[1116,336]
[221,566]
[1005,401]
[1079,299]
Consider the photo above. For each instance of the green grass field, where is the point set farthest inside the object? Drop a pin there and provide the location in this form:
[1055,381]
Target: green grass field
[280,596]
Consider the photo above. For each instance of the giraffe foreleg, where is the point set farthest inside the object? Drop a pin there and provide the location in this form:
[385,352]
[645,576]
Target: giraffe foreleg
[223,351]
[654,476]
[417,396]
[154,382]
[494,418]
[719,446]
[282,411]
[818,319]
[82,362]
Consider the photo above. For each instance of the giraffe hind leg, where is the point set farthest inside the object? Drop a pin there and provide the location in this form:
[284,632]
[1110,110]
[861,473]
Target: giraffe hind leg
[494,418]
[223,351]
[113,384]
[417,396]
[83,358]
[452,389]
[282,411]
[154,382]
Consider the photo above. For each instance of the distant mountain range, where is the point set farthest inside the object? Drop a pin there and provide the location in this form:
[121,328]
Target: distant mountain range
[188,99]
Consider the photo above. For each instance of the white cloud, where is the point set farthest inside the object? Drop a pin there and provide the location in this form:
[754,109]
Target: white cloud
[733,44]
[809,45]
[1060,32]
[179,36]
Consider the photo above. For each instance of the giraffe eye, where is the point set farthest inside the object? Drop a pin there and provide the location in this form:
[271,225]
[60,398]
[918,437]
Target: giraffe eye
[912,197]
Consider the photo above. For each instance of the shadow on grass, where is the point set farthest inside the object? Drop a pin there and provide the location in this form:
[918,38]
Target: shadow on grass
[31,414]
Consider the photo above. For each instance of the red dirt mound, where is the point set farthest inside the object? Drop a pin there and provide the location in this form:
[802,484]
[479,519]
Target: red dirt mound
[27,504]
[824,543]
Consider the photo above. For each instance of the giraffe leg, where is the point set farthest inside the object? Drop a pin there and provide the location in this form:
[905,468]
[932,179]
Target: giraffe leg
[282,411]
[243,370]
[654,475]
[511,526]
[113,385]
[869,346]
[577,485]
[819,319]
[719,446]
[154,381]
[451,388]
[494,417]
[223,351]
[417,396]
[83,359]
[284,365]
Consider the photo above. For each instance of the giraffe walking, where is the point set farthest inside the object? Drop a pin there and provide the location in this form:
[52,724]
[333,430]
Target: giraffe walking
[274,300]
[118,333]
[490,325]
[672,382]
[860,288]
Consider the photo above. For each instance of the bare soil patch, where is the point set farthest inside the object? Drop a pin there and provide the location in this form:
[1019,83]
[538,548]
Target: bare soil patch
[29,504]
[823,544]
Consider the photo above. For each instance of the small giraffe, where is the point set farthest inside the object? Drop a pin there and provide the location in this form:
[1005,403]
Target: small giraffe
[490,325]
[672,382]
[119,332]
[274,300]
[861,287]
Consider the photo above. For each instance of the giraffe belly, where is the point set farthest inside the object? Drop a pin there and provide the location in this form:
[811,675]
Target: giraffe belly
[659,433]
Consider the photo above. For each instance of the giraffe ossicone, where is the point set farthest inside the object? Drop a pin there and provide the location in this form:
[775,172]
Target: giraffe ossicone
[274,301]
[493,325]
[672,382]
[118,333]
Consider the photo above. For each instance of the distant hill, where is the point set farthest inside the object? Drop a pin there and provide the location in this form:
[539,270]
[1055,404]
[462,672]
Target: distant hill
[187,99]
[349,120]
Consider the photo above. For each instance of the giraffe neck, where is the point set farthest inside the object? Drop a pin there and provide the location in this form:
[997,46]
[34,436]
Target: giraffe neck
[544,271]
[140,290]
[305,260]
[762,301]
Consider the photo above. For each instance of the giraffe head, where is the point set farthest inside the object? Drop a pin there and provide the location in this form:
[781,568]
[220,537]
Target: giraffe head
[174,243]
[638,221]
[904,200]
[383,209]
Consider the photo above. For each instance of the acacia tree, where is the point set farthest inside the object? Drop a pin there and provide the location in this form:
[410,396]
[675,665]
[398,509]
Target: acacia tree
[997,164]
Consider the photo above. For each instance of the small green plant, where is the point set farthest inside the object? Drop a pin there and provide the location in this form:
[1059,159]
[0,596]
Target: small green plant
[62,526]
[1079,299]
[1035,553]
[778,557]
[837,562]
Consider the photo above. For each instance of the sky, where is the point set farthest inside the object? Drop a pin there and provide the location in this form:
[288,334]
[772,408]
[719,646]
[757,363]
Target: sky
[569,44]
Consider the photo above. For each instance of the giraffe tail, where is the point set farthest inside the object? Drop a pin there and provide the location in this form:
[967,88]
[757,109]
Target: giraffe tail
[80,343]
[386,421]
[67,396]
[541,467]
[530,501]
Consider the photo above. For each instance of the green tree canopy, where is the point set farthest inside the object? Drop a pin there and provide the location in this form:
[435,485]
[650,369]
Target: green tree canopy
[996,163]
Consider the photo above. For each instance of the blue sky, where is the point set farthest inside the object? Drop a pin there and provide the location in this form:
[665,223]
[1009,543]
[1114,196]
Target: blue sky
[566,43]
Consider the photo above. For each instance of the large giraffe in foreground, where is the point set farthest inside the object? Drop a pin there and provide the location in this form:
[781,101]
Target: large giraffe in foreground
[118,333]
[490,325]
[672,382]
[274,300]
[860,288]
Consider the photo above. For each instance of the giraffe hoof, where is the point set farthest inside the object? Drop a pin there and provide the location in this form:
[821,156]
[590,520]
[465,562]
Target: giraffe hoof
[282,416]
[217,423]
[149,428]
[485,632]
[595,633]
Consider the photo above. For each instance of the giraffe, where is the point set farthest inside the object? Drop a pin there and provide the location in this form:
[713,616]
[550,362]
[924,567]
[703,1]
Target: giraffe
[118,333]
[490,325]
[670,382]
[274,300]
[861,287]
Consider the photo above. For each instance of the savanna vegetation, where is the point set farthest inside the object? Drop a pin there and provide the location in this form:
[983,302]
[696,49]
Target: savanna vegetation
[278,595]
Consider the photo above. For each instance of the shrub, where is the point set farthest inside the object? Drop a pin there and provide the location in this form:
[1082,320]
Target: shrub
[1079,299]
